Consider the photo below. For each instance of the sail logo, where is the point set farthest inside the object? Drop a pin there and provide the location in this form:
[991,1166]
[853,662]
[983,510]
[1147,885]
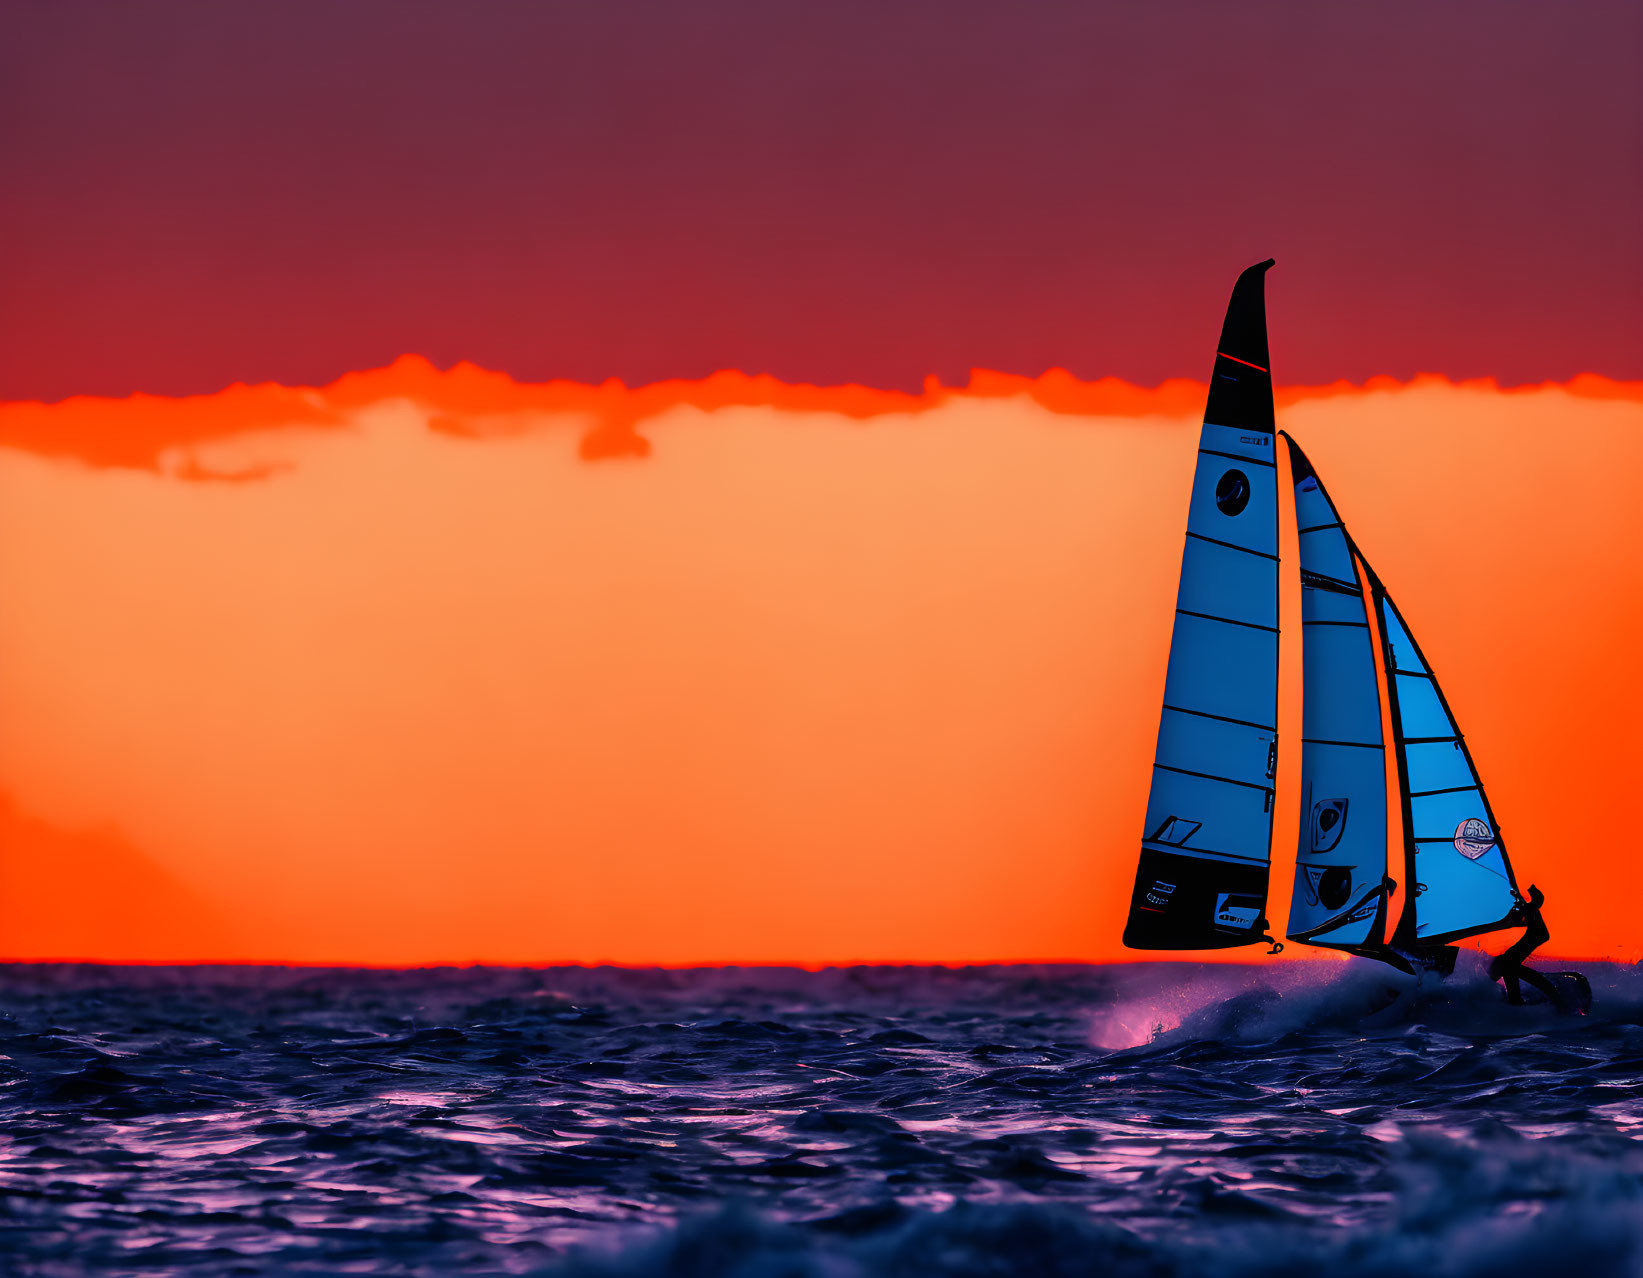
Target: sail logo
[1473,838]
[1160,892]
[1175,831]
[1232,911]
[1232,492]
[1328,821]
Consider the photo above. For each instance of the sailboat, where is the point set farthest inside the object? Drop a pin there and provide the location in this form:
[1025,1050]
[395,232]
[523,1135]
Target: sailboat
[1202,877]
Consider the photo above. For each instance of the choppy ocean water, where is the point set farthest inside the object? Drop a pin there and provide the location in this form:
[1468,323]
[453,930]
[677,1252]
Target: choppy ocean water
[1139,1120]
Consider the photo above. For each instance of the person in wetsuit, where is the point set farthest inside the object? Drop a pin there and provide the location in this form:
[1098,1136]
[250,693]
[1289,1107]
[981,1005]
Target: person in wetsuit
[1509,967]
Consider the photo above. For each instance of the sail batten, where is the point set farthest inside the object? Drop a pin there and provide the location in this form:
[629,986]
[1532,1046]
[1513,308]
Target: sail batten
[1206,845]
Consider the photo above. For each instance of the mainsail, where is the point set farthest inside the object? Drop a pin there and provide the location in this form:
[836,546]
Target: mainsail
[1459,880]
[1340,863]
[1207,843]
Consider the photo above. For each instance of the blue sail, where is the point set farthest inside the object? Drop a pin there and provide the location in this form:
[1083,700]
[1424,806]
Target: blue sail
[1459,878]
[1207,840]
[1340,863]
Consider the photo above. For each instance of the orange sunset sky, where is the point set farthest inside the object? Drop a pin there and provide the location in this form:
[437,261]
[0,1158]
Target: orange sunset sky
[554,640]
[435,666]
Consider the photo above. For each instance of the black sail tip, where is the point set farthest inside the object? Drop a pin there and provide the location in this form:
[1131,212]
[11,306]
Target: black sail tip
[1240,391]
[1300,468]
[1243,335]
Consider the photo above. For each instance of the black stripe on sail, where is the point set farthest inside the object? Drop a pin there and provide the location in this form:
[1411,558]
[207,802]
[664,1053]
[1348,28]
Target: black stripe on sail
[1229,621]
[1253,461]
[1212,852]
[1205,714]
[1231,545]
[1334,585]
[1340,918]
[1210,776]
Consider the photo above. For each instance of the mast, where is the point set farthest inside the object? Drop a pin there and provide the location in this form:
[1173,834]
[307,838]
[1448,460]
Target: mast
[1206,848]
[1341,885]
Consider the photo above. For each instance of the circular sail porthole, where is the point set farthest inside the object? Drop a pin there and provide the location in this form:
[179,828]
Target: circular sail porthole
[1232,493]
[1334,887]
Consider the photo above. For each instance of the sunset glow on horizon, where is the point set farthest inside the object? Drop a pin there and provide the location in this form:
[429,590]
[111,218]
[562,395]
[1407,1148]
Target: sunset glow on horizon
[610,614]
[436,666]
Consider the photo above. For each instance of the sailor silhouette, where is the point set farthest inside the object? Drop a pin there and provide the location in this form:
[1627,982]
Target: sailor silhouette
[1510,968]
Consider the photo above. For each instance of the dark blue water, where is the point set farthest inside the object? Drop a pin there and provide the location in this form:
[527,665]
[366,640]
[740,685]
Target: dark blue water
[1157,1120]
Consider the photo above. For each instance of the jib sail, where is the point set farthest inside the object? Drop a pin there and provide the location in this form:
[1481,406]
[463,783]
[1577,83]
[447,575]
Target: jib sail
[1459,880]
[1207,841]
[1340,863]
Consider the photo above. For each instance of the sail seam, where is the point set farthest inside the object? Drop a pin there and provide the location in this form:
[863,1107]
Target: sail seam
[1321,527]
[1361,625]
[1362,745]
[1253,461]
[1231,545]
[1209,616]
[1453,789]
[1244,362]
[1210,776]
[1430,741]
[1205,714]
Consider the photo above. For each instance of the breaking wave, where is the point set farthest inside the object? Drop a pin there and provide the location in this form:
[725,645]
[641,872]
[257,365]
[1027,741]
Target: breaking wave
[1166,1004]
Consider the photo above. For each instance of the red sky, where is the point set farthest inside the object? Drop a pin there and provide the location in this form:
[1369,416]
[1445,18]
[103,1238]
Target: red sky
[389,671]
[857,191]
